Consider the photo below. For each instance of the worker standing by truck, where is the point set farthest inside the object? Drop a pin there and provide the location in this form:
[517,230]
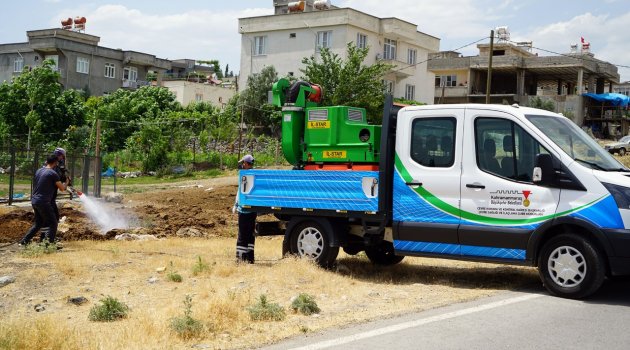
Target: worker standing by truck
[246,222]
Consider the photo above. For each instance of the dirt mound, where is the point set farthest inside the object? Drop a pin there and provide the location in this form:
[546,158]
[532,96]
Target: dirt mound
[77,226]
[165,212]
[204,211]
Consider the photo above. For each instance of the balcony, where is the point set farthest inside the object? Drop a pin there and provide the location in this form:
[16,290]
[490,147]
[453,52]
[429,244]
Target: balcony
[451,91]
[130,84]
[401,69]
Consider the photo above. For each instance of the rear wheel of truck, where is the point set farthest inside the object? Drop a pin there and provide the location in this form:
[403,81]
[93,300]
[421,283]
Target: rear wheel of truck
[570,266]
[309,240]
[383,254]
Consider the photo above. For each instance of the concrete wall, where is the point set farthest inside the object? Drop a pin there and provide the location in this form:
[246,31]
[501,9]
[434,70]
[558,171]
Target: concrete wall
[186,92]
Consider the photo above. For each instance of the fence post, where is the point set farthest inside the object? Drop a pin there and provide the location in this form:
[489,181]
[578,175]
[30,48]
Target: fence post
[86,174]
[12,176]
[96,190]
[35,167]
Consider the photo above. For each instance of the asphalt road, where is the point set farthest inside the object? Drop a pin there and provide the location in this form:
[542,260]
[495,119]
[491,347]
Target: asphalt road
[511,320]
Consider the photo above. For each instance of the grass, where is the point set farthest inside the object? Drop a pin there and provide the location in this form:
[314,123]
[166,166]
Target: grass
[110,310]
[305,304]
[263,310]
[222,295]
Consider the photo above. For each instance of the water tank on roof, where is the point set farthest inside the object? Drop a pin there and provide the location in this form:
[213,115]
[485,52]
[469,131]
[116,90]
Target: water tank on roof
[296,6]
[322,4]
[66,23]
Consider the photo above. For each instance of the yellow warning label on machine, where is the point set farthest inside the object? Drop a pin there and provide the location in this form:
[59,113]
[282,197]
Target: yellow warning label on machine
[319,125]
[335,154]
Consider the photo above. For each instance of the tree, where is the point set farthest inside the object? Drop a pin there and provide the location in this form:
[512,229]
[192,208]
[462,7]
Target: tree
[35,103]
[348,81]
[547,105]
[255,96]
[227,71]
[215,65]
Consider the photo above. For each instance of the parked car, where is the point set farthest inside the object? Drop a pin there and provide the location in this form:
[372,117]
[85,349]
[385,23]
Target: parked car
[622,146]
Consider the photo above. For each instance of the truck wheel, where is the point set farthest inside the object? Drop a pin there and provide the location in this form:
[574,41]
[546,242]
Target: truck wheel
[571,267]
[383,254]
[309,240]
[622,151]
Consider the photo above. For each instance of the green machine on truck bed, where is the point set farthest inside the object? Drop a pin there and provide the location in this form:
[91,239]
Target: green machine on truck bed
[494,183]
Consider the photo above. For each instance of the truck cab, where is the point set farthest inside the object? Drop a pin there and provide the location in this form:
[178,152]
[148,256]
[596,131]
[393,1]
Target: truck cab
[495,183]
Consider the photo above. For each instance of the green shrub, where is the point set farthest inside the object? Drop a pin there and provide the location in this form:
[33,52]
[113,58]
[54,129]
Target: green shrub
[305,304]
[173,276]
[34,250]
[110,310]
[200,267]
[266,311]
[186,327]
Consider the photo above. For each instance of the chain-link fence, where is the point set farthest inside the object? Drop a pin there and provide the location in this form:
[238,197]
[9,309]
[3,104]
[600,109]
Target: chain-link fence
[18,167]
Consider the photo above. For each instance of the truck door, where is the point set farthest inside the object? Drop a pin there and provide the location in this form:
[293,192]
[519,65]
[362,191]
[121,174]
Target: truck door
[500,205]
[427,181]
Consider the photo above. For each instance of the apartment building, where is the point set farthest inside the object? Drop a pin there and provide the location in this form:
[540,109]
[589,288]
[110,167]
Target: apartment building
[284,38]
[81,62]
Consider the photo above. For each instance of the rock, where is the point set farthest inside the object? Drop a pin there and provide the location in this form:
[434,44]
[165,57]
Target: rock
[189,232]
[39,308]
[201,346]
[126,236]
[4,280]
[77,300]
[160,269]
[114,197]
[152,280]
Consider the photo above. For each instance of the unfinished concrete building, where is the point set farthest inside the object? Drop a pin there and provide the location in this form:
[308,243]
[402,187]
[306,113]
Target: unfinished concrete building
[518,75]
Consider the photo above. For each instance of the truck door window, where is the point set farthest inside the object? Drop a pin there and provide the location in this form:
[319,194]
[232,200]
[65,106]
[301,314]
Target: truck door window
[505,149]
[432,141]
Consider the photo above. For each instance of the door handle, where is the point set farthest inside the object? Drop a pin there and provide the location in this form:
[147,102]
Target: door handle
[475,185]
[413,183]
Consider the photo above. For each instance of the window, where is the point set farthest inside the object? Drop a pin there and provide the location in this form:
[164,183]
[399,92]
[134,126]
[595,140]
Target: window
[361,41]
[389,49]
[260,43]
[292,35]
[410,92]
[412,55]
[324,39]
[18,65]
[83,65]
[432,142]
[503,148]
[445,80]
[110,70]
[198,97]
[130,73]
[388,86]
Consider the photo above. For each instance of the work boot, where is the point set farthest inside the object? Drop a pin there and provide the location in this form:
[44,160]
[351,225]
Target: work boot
[250,257]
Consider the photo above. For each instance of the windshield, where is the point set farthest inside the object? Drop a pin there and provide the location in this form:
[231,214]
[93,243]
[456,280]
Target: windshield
[576,143]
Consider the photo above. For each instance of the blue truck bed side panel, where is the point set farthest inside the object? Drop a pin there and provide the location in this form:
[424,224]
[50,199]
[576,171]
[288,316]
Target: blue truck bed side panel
[317,189]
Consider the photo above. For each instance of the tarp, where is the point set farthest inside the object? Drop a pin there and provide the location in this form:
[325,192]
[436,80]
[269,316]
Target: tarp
[613,98]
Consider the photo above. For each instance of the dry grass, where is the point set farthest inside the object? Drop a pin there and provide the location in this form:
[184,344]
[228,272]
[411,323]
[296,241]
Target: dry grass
[356,291]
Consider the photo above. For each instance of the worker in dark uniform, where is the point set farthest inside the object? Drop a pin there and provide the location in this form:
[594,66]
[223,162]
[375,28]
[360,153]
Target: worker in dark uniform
[46,182]
[62,171]
[246,222]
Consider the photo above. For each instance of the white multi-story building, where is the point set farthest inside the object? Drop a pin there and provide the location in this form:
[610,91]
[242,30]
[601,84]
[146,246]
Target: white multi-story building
[282,40]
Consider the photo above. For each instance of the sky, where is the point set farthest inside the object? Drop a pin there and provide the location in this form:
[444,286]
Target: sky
[203,29]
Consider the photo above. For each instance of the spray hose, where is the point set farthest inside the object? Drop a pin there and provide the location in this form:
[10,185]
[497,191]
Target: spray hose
[75,192]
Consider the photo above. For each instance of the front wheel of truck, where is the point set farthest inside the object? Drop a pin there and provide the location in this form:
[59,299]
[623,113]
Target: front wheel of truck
[570,266]
[309,240]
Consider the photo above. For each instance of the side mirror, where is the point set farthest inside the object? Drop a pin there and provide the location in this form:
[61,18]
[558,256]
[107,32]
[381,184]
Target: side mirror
[543,173]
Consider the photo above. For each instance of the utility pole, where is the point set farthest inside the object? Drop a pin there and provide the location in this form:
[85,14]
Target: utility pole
[490,67]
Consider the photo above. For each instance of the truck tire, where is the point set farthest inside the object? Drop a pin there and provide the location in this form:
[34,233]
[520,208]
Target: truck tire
[383,254]
[570,266]
[309,240]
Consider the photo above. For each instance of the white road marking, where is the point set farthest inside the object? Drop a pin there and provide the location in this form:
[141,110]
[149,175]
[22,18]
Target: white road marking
[416,323]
